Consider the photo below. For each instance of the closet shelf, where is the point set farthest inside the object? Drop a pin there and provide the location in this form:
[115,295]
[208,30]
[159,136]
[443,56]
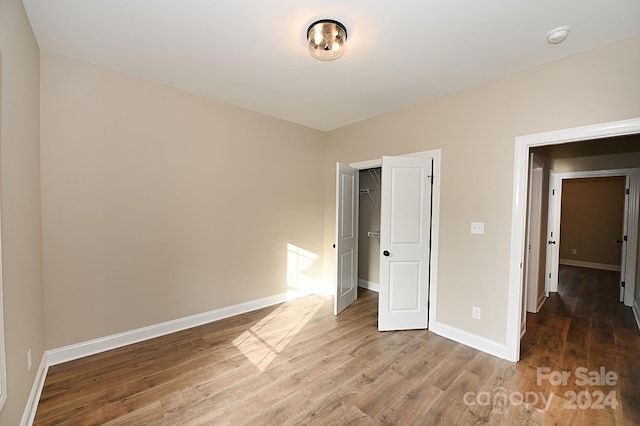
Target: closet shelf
[375,176]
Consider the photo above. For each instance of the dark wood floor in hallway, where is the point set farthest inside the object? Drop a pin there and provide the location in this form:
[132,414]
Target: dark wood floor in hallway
[296,363]
[585,327]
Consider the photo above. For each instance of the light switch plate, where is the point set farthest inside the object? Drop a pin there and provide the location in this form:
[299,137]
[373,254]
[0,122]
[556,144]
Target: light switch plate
[475,312]
[477,227]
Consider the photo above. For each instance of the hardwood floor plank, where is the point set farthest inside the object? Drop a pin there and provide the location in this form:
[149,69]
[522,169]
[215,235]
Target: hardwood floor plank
[296,363]
[448,369]
[412,406]
[352,416]
[450,407]
[332,409]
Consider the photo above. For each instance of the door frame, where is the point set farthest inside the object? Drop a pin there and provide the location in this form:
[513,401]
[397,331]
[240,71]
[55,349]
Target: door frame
[3,362]
[436,155]
[518,209]
[630,223]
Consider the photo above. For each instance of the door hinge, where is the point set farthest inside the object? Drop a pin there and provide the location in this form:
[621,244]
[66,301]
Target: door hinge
[624,238]
[431,179]
[627,191]
[549,275]
[622,284]
[553,192]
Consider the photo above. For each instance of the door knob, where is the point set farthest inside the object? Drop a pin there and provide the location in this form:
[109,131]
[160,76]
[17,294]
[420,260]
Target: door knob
[386,253]
[552,242]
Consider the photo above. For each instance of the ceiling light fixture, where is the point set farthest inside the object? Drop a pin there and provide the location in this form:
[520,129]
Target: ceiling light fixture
[558,35]
[326,39]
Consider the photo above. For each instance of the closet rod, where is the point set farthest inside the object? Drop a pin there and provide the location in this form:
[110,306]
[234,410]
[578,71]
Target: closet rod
[368,192]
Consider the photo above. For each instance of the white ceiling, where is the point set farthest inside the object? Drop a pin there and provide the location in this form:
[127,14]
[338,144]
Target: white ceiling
[253,54]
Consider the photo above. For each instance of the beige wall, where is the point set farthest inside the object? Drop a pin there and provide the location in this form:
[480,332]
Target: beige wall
[591,220]
[20,188]
[475,128]
[159,204]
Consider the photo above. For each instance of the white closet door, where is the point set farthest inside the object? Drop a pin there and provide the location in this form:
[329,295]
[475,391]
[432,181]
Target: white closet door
[404,243]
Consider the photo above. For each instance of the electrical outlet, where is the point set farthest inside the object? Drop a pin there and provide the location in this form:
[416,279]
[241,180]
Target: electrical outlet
[475,312]
[29,363]
[574,251]
[477,228]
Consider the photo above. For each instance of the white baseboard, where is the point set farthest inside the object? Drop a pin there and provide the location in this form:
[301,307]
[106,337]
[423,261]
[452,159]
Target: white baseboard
[636,312]
[36,390]
[591,265]
[541,300]
[369,285]
[477,342]
[91,347]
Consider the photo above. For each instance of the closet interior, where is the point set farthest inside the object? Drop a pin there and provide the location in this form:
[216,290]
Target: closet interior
[369,228]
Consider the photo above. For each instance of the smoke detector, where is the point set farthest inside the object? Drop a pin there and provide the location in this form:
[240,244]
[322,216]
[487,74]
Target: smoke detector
[558,35]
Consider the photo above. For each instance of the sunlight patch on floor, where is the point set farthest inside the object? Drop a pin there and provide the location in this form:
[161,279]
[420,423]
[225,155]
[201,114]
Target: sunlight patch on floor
[262,343]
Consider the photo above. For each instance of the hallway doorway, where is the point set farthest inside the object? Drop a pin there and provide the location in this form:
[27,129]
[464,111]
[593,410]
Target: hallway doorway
[619,142]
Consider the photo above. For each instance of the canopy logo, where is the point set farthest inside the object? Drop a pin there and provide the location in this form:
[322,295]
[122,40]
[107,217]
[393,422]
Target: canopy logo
[500,400]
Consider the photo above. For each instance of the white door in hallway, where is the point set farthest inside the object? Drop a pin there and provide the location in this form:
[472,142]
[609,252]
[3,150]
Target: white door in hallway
[624,239]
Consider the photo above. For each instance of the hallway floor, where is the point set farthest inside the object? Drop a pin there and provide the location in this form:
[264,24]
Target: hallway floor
[585,327]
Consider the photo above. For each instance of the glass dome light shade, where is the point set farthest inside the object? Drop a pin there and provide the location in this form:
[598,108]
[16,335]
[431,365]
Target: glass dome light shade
[326,39]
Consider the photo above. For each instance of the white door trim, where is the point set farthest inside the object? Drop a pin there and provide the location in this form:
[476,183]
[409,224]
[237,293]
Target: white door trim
[630,223]
[3,363]
[533,250]
[551,233]
[518,211]
[436,154]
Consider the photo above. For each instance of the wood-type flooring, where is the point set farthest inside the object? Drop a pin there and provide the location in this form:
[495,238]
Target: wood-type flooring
[296,363]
